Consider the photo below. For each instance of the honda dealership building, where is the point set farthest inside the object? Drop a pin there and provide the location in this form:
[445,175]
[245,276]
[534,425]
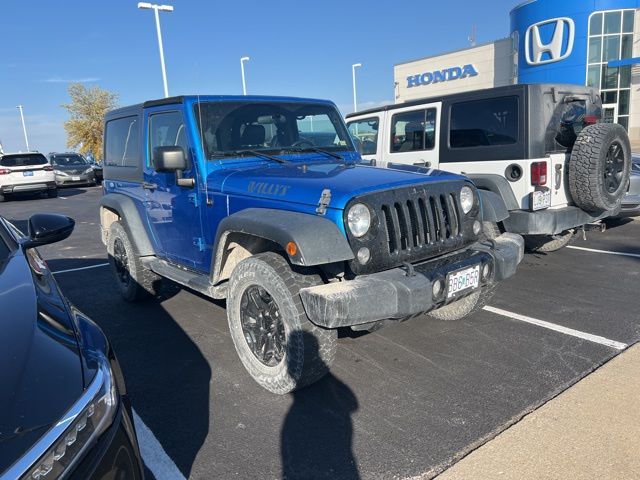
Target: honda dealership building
[593,42]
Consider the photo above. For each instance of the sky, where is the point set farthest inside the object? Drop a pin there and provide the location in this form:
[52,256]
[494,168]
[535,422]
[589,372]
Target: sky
[297,48]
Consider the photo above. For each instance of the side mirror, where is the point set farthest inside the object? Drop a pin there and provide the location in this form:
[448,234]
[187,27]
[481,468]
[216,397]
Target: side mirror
[169,159]
[46,228]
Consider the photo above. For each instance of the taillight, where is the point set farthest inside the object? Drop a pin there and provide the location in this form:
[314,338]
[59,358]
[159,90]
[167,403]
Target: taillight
[48,168]
[539,173]
[4,171]
[590,120]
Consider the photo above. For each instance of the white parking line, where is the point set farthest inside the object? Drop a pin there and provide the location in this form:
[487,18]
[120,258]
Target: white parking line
[559,328]
[81,268]
[593,250]
[154,456]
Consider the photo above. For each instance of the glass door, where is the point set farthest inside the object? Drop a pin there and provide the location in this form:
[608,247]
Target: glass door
[610,113]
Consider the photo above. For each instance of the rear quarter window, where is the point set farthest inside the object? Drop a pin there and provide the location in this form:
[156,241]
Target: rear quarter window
[122,142]
[484,123]
[23,160]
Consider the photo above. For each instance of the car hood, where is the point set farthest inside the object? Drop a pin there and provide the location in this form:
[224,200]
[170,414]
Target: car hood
[41,370]
[304,183]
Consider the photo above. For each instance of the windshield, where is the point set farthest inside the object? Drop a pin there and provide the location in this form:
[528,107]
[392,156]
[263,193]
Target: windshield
[68,160]
[228,127]
[25,160]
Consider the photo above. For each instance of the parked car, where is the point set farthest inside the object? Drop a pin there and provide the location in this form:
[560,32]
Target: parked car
[72,169]
[631,201]
[64,412]
[540,148]
[26,172]
[97,170]
[260,200]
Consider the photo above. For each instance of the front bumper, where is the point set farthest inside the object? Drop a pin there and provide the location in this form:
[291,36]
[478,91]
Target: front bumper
[550,221]
[84,179]
[397,294]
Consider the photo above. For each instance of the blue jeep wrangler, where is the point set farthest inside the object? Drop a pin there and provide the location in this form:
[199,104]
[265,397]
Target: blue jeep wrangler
[262,201]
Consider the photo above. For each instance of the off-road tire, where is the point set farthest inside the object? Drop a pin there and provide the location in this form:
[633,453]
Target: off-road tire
[143,283]
[309,350]
[547,243]
[587,167]
[465,306]
[52,193]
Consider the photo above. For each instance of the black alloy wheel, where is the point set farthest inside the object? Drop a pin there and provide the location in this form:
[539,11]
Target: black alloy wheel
[614,167]
[262,326]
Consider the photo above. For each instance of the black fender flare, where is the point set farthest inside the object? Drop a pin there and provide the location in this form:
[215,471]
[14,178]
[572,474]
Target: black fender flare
[493,207]
[318,240]
[129,215]
[498,185]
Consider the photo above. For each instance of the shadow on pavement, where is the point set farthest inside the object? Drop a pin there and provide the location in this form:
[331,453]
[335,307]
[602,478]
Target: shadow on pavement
[167,376]
[317,433]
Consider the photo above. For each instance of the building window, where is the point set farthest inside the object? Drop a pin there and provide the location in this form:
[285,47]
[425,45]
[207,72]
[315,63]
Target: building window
[611,39]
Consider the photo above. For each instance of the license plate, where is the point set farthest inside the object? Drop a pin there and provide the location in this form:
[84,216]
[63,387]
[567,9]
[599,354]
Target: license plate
[463,280]
[540,199]
[75,179]
[27,174]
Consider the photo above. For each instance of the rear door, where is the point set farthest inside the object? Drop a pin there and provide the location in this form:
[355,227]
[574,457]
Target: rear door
[173,211]
[412,136]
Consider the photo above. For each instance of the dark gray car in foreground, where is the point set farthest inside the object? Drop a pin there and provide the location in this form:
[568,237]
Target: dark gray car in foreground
[64,412]
[631,201]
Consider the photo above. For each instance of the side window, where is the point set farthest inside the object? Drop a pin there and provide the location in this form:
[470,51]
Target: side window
[365,132]
[480,123]
[413,131]
[122,142]
[167,130]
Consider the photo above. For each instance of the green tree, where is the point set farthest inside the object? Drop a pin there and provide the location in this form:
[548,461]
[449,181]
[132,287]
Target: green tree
[87,109]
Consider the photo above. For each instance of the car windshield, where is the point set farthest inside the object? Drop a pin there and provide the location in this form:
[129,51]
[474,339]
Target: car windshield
[68,160]
[23,160]
[278,127]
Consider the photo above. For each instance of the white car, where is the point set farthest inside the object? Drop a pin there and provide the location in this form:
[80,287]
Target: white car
[26,172]
[541,148]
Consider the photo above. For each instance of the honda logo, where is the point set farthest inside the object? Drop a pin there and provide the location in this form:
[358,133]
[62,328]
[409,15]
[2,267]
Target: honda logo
[558,48]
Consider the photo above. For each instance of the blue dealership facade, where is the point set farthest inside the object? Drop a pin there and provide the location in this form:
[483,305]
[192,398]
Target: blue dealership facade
[592,42]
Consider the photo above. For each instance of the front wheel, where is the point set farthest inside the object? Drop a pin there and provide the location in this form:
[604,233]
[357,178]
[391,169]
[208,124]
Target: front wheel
[275,340]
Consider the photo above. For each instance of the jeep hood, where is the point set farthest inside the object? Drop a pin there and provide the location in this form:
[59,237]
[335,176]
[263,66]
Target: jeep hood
[304,183]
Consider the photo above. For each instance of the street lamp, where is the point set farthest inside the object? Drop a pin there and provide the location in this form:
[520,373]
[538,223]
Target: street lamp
[24,128]
[353,74]
[244,83]
[156,9]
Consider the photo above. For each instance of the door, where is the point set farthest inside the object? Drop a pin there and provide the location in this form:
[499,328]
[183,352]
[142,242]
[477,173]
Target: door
[366,131]
[610,113]
[412,136]
[173,212]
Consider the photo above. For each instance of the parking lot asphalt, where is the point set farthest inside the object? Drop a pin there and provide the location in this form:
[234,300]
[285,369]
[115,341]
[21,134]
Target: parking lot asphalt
[405,401]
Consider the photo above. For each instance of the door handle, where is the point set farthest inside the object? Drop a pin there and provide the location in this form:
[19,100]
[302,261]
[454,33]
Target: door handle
[149,186]
[422,163]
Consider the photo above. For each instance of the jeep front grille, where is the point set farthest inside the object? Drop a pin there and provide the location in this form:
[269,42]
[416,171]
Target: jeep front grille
[414,224]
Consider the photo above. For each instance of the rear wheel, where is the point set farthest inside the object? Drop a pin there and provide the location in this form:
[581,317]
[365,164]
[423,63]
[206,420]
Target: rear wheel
[134,280]
[275,340]
[548,243]
[465,306]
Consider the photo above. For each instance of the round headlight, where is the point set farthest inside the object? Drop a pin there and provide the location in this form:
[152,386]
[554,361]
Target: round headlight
[359,219]
[466,199]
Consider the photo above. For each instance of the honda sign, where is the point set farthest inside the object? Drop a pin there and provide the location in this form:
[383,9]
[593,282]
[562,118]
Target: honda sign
[559,47]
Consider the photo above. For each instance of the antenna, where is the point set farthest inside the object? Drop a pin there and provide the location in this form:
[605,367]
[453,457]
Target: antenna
[473,37]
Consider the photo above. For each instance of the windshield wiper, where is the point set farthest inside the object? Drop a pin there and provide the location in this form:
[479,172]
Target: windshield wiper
[313,149]
[255,153]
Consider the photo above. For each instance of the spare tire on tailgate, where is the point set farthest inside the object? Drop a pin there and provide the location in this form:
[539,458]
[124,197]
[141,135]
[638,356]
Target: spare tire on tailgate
[599,167]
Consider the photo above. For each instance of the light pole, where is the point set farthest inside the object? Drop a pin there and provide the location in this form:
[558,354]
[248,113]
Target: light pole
[24,128]
[244,83]
[156,9]
[353,74]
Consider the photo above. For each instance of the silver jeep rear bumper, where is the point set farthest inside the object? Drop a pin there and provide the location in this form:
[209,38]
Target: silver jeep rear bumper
[550,221]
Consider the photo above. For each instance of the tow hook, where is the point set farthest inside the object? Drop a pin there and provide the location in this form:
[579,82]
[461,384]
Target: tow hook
[410,270]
